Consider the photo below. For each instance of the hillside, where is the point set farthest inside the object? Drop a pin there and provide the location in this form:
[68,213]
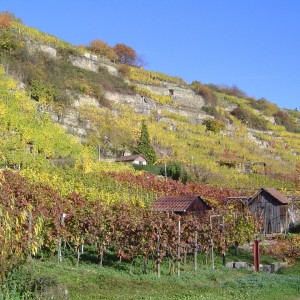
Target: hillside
[224,138]
[70,214]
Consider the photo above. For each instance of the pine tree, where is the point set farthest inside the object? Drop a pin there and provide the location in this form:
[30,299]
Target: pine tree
[144,146]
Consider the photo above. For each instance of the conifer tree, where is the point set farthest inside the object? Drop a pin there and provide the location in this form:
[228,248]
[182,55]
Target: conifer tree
[144,146]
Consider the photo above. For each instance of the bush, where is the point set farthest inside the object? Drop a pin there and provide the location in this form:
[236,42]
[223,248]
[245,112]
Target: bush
[265,106]
[5,21]
[23,283]
[284,119]
[214,125]
[203,90]
[232,91]
[124,70]
[212,111]
[175,170]
[249,118]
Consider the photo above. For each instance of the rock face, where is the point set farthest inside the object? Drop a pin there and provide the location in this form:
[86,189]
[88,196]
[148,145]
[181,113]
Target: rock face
[181,95]
[184,100]
[144,105]
[92,63]
[34,46]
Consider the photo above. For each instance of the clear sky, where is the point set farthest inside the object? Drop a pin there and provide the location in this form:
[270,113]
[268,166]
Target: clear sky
[253,44]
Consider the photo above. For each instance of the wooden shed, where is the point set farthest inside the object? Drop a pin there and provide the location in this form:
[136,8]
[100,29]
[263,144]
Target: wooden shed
[133,159]
[182,204]
[271,208]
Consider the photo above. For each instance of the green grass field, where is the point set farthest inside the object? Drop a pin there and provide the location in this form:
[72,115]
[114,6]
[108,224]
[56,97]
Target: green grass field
[113,281]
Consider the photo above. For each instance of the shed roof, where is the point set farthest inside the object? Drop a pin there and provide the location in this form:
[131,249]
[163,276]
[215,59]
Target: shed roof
[176,203]
[129,158]
[274,193]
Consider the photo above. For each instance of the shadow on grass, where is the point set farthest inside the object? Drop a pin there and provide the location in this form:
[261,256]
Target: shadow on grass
[110,259]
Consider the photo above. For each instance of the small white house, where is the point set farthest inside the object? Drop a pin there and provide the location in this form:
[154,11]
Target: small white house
[133,159]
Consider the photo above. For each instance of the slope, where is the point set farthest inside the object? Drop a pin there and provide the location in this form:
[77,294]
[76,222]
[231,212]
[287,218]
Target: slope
[103,103]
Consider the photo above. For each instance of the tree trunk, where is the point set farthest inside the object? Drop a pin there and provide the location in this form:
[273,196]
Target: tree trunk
[78,256]
[101,255]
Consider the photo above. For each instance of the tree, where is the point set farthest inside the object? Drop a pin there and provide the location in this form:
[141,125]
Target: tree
[144,146]
[7,39]
[126,55]
[5,21]
[103,49]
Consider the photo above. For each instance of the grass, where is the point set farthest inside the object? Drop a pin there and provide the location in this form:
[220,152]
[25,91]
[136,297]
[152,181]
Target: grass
[113,281]
[153,169]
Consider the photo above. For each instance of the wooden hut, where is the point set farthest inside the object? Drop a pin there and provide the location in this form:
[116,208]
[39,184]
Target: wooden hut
[181,204]
[271,208]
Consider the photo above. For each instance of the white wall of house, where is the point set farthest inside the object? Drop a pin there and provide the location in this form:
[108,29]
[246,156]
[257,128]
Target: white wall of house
[139,161]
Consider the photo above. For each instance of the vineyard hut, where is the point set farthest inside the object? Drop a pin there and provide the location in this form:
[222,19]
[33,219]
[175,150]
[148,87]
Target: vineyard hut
[133,159]
[181,204]
[271,208]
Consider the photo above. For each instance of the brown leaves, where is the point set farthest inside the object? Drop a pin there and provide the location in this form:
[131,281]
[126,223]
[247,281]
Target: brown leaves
[126,55]
[5,21]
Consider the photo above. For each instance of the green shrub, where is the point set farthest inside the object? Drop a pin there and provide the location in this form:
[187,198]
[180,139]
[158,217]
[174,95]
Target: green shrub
[23,283]
[212,111]
[214,125]
[264,106]
[175,170]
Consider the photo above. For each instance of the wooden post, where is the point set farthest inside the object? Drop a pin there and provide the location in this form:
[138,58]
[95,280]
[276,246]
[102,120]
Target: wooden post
[30,234]
[286,221]
[223,243]
[178,250]
[256,255]
[78,256]
[166,178]
[212,241]
[99,153]
[158,256]
[59,252]
[196,251]
[101,255]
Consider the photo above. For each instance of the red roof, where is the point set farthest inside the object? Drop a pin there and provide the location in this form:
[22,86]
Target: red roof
[274,193]
[176,203]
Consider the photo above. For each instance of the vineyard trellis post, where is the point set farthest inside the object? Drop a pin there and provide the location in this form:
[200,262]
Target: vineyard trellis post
[223,243]
[29,233]
[158,255]
[99,153]
[178,254]
[256,254]
[196,251]
[59,252]
[212,240]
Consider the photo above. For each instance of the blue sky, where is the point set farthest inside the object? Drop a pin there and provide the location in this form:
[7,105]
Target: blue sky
[253,44]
